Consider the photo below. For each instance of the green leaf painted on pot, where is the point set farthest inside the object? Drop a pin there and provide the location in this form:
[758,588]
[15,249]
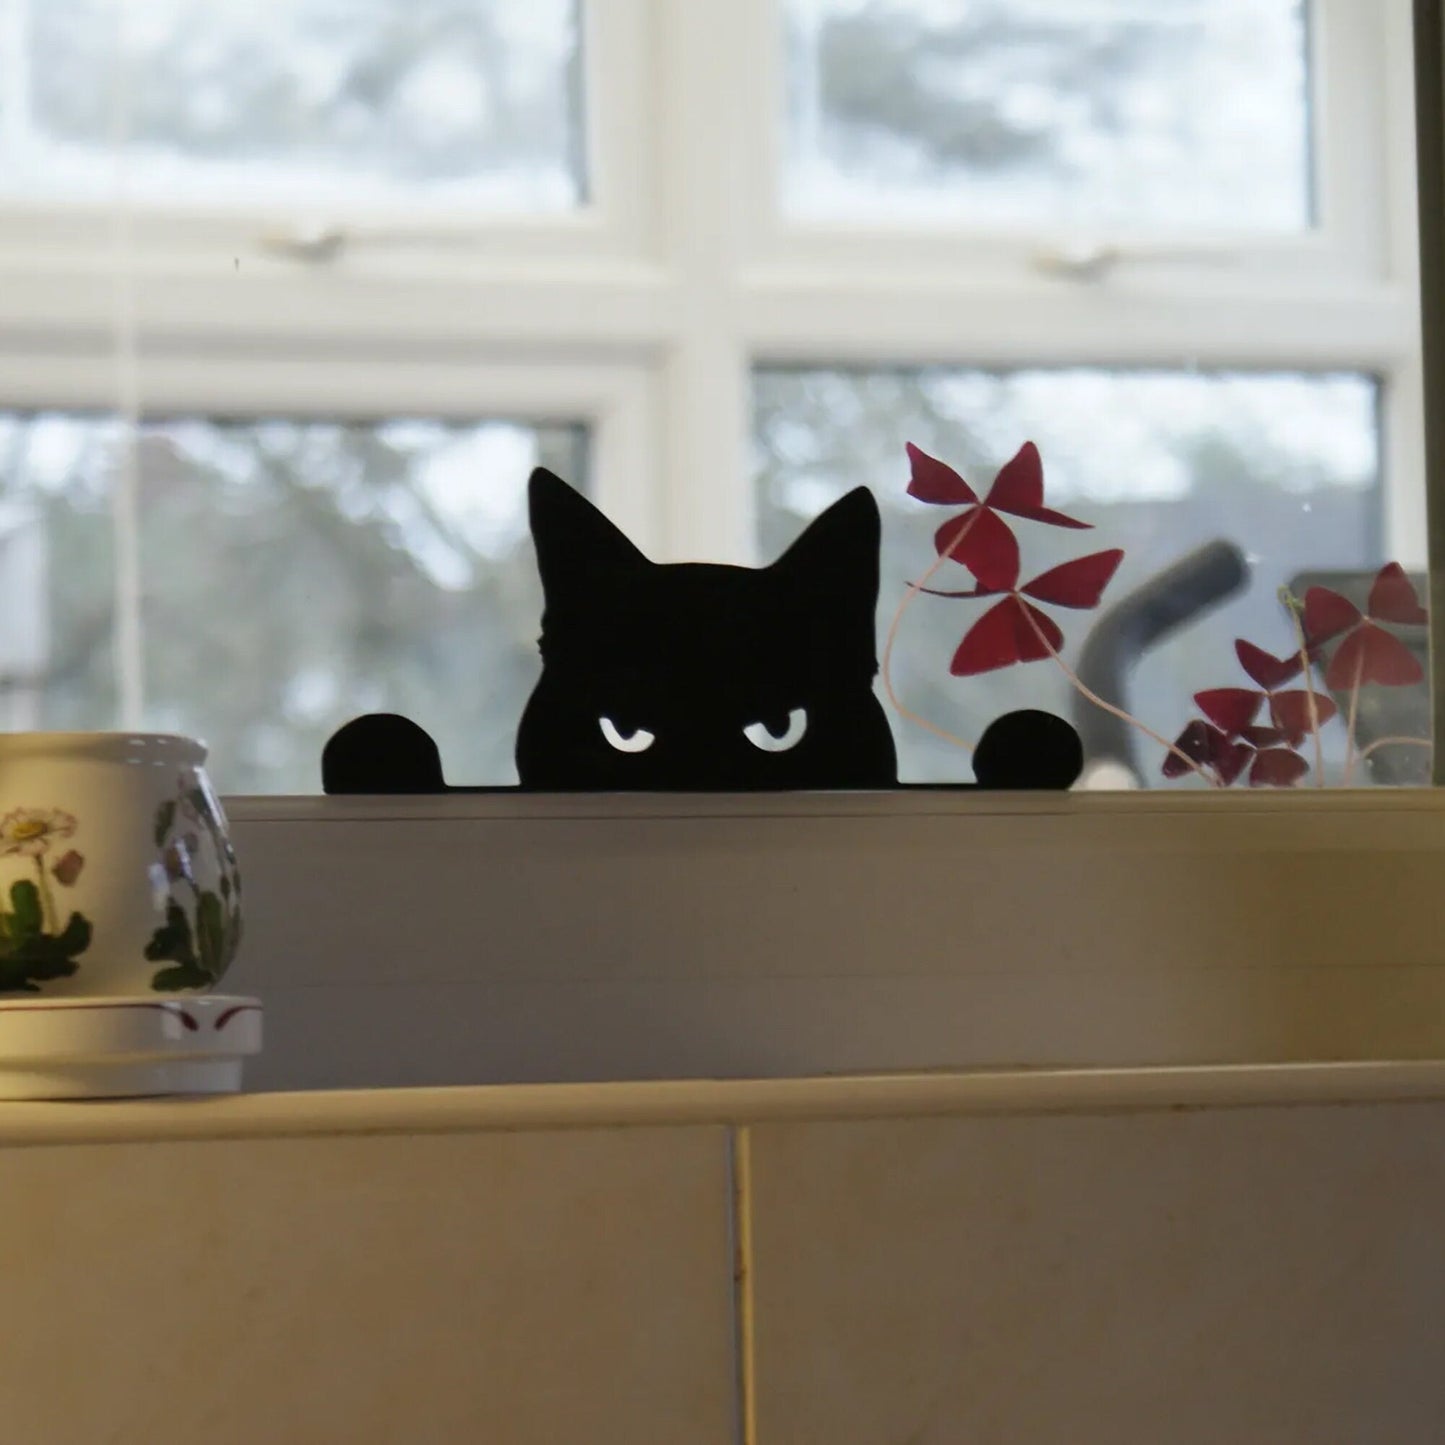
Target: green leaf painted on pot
[29,956]
[181,976]
[75,936]
[165,816]
[19,975]
[172,940]
[47,961]
[26,917]
[233,936]
[211,933]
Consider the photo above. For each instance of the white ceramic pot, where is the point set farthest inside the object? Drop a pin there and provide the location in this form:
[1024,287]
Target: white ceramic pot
[116,872]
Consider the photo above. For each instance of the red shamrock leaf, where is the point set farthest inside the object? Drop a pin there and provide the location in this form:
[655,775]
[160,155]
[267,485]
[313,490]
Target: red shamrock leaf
[1291,712]
[931,480]
[1079,583]
[1204,744]
[1200,742]
[1367,653]
[1370,654]
[1019,489]
[1005,635]
[985,544]
[1269,672]
[1327,614]
[1277,768]
[1230,709]
[1393,599]
[1261,737]
[1231,760]
[979,537]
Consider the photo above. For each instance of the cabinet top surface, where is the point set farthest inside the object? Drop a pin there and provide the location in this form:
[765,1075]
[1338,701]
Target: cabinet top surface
[643,1104]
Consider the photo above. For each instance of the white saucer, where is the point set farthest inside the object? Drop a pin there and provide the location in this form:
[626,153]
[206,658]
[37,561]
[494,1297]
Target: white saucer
[107,1048]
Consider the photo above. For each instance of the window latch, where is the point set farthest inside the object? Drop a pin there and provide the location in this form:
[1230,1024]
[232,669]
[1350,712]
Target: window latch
[317,244]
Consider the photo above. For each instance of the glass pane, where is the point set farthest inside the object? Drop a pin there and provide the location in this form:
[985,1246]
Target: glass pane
[1284,466]
[296,573]
[467,102]
[1182,114]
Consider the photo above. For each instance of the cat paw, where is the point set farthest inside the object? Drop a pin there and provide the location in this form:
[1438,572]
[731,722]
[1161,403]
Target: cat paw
[382,752]
[1028,749]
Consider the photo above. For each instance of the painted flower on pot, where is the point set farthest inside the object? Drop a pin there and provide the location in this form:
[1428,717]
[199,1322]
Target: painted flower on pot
[67,869]
[202,929]
[30,831]
[34,943]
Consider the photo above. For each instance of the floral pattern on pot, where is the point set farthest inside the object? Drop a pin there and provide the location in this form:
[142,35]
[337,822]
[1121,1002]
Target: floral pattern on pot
[34,943]
[202,932]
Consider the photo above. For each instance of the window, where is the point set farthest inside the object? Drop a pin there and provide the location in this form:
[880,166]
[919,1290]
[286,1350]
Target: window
[1160,462]
[373,103]
[716,261]
[1193,115]
[340,567]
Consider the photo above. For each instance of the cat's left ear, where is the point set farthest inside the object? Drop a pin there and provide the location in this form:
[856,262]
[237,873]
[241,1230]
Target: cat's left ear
[578,550]
[836,558]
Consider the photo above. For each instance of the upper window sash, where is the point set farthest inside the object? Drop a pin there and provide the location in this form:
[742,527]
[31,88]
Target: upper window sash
[1363,197]
[184,234]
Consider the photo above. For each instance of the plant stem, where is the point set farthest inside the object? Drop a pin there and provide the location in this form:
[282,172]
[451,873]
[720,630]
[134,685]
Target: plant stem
[47,903]
[1354,714]
[914,588]
[1304,657]
[1090,696]
[1395,742]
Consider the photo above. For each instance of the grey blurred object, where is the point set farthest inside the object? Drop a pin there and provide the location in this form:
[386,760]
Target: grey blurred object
[1384,712]
[1171,599]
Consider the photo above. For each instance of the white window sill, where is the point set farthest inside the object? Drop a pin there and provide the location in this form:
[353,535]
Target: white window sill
[510,938]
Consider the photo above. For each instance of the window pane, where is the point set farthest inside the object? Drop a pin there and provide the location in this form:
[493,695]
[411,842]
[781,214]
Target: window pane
[1286,466]
[466,102]
[295,574]
[1180,114]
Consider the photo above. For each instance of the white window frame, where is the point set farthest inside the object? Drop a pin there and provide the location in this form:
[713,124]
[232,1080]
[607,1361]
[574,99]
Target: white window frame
[644,312]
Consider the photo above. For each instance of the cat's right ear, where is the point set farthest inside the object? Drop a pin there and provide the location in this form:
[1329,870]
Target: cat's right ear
[578,549]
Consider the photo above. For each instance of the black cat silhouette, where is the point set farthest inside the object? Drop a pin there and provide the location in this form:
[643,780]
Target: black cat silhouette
[698,676]
[701,675]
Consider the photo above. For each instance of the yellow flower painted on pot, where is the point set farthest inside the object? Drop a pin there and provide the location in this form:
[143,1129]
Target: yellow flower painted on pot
[29,831]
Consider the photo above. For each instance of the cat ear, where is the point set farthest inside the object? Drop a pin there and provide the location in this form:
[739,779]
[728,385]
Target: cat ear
[836,558]
[578,549]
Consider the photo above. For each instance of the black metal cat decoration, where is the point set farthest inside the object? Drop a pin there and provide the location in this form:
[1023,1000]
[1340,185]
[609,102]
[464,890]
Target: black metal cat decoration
[679,677]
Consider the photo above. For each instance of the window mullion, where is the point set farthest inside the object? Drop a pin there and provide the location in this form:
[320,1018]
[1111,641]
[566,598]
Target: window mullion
[1350,90]
[702,65]
[1430,148]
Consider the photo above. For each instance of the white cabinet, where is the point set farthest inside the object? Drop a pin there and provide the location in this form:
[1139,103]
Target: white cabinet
[1184,1257]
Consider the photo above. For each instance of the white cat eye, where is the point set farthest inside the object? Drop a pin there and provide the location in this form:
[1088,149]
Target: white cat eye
[758,735]
[637,742]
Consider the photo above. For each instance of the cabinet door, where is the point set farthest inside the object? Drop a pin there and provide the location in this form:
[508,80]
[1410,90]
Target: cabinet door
[531,1288]
[1254,1275]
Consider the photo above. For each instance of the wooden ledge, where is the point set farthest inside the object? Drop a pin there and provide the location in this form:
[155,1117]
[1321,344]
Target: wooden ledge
[718,1102]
